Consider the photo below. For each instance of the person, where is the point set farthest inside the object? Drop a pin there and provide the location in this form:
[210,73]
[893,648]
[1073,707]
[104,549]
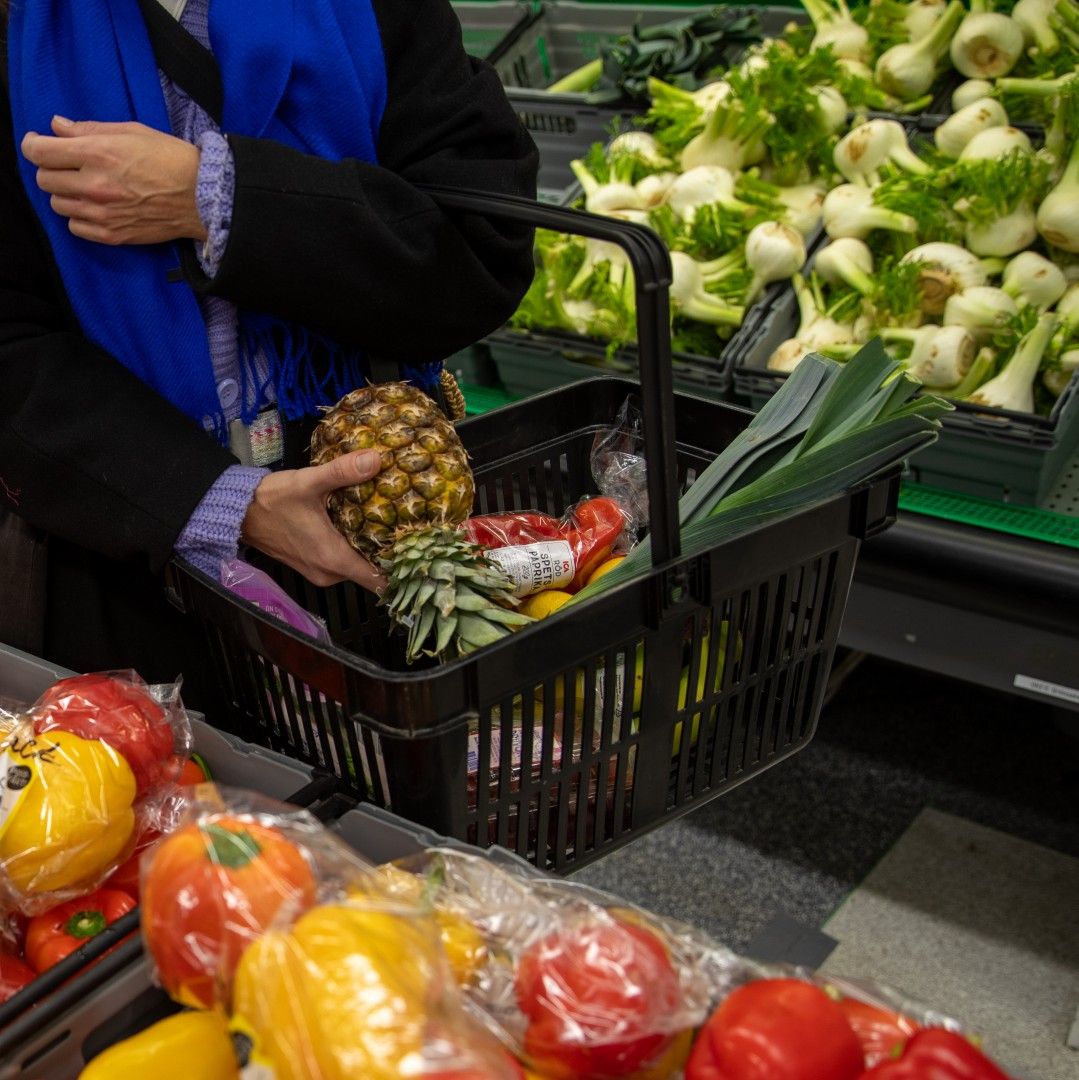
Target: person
[211,224]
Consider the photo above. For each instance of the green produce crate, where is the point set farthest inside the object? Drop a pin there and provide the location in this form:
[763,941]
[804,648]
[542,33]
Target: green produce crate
[473,366]
[529,363]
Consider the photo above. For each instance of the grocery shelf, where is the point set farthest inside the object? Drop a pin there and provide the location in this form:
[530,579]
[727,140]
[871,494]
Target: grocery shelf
[985,593]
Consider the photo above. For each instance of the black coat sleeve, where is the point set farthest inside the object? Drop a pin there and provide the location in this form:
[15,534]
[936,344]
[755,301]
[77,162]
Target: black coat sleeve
[356,250]
[88,452]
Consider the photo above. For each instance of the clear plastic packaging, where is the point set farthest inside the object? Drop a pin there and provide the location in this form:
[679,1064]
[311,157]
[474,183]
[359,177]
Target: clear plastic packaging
[84,771]
[231,867]
[577,983]
[538,551]
[619,468]
[258,588]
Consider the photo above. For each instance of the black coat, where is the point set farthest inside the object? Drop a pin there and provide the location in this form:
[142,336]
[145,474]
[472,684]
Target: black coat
[108,469]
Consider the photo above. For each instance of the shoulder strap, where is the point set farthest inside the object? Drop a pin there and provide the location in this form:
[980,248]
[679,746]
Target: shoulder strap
[185,60]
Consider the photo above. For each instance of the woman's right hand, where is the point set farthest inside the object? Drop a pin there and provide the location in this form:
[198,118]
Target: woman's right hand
[287,520]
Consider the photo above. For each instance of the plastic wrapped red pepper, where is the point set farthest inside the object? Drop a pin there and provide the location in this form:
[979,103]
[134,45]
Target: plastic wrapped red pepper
[937,1054]
[782,1029]
[119,710]
[882,1032]
[59,932]
[591,530]
[14,975]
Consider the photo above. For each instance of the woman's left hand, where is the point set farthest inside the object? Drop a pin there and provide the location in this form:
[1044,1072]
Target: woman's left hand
[118,183]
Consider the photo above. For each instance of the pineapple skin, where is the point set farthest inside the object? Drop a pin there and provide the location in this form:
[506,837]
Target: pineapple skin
[425,478]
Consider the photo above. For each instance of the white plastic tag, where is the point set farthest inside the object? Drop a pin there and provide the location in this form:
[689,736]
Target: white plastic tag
[546,564]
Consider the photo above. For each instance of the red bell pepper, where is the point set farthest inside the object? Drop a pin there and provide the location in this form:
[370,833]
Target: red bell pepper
[597,997]
[67,927]
[14,975]
[116,711]
[881,1032]
[591,529]
[937,1054]
[776,1029]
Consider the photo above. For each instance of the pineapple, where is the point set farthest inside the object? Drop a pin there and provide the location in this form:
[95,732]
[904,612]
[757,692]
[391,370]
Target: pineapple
[407,518]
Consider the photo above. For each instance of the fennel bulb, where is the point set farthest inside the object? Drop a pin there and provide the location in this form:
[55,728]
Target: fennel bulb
[981,309]
[862,151]
[603,198]
[907,71]
[731,138]
[803,203]
[598,252]
[921,16]
[970,91]
[996,142]
[940,355]
[848,210]
[946,269]
[833,107]
[705,185]
[653,189]
[848,261]
[1013,388]
[1032,279]
[1056,379]
[787,356]
[1008,234]
[774,251]
[956,132]
[986,45]
[637,146]
[837,29]
[690,298]
[1058,215]
[1032,17]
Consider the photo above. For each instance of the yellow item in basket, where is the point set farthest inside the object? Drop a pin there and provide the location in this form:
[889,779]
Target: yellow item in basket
[195,1045]
[542,604]
[345,993]
[65,812]
[605,568]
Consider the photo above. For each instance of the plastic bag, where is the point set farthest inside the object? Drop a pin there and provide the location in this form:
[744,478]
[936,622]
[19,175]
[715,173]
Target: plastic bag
[258,588]
[232,866]
[578,983]
[84,772]
[538,551]
[619,468]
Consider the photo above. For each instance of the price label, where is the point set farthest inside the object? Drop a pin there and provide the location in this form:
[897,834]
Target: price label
[532,568]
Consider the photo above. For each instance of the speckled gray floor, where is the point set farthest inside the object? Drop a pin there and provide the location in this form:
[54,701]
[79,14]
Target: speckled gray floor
[799,838]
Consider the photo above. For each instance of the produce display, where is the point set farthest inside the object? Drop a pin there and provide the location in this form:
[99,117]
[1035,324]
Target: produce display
[738,169]
[88,772]
[448,965]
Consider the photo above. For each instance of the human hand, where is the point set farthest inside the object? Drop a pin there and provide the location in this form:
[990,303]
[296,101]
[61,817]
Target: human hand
[287,520]
[118,183]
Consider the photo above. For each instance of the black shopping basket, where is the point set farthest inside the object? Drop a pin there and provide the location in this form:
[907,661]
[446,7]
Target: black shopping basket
[570,737]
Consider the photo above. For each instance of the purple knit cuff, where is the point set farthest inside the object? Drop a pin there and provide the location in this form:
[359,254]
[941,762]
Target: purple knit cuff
[212,533]
[215,190]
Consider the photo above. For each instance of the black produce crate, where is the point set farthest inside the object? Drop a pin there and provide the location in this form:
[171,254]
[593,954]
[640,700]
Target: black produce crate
[990,453]
[531,362]
[117,997]
[233,763]
[467,748]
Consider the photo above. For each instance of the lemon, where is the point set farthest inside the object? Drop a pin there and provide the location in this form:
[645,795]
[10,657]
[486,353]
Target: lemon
[545,603]
[604,567]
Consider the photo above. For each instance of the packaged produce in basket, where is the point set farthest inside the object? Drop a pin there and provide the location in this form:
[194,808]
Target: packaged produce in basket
[619,468]
[86,770]
[258,588]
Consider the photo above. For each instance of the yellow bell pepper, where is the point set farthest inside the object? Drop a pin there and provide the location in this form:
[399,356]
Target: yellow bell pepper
[195,1045]
[69,818]
[345,993]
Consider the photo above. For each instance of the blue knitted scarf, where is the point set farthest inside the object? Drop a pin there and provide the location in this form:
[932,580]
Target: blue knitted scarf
[307,73]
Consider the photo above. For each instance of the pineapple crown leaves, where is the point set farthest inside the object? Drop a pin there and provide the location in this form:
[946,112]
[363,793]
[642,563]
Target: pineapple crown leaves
[440,584]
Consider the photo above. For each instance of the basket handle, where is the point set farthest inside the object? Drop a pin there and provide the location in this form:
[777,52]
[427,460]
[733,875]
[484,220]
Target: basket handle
[651,263]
